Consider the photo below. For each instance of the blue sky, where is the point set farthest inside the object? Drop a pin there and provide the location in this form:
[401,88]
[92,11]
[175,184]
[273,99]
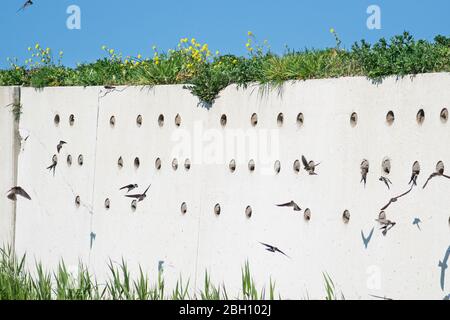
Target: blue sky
[133,26]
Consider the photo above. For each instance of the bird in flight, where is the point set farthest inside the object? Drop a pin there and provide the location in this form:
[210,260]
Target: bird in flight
[396,198]
[17,191]
[444,265]
[367,240]
[309,166]
[387,225]
[291,204]
[27,4]
[139,197]
[417,222]
[386,181]
[273,249]
[60,145]
[129,187]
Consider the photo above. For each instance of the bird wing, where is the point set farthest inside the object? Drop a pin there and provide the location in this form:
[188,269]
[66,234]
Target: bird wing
[145,192]
[429,178]
[289,204]
[370,234]
[126,187]
[267,245]
[134,196]
[12,196]
[23,193]
[305,162]
[278,250]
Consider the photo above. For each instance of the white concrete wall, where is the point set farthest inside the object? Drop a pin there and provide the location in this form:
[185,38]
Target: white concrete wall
[404,264]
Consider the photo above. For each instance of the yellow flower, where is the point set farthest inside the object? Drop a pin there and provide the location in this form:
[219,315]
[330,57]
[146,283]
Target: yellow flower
[156,62]
[247,45]
[104,48]
[332,30]
[29,48]
[61,53]
[111,51]
[217,52]
[250,34]
[193,41]
[37,46]
[139,56]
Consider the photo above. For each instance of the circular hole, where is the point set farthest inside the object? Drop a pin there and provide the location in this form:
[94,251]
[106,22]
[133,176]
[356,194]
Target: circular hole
[232,166]
[134,205]
[297,166]
[139,121]
[280,119]
[183,208]
[158,164]
[354,119]
[217,209]
[187,164]
[69,160]
[390,118]
[137,163]
[175,164]
[223,120]
[277,167]
[440,168]
[112,121]
[386,166]
[251,165]
[346,216]
[382,215]
[107,204]
[248,212]
[444,115]
[254,120]
[80,160]
[161,120]
[77,201]
[120,163]
[300,119]
[178,120]
[71,119]
[56,120]
[420,116]
[55,158]
[307,214]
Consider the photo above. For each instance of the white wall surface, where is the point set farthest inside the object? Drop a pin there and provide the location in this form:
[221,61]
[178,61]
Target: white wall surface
[402,265]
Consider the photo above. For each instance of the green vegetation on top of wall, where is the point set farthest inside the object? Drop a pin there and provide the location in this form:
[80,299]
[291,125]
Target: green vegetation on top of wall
[205,73]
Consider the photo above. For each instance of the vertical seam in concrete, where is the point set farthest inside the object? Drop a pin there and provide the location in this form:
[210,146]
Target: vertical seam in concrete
[16,98]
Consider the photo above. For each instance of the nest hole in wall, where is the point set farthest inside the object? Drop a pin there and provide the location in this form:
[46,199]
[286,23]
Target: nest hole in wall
[77,201]
[232,166]
[354,119]
[137,163]
[223,120]
[280,119]
[139,121]
[254,120]
[248,212]
[382,215]
[440,167]
[107,204]
[251,165]
[187,164]
[55,158]
[420,116]
[386,165]
[161,120]
[80,160]
[277,167]
[112,121]
[178,120]
[416,168]
[120,163]
[183,208]
[175,164]
[390,118]
[69,160]
[158,164]
[217,210]
[71,120]
[444,115]
[346,216]
[307,214]
[57,120]
[300,120]
[297,166]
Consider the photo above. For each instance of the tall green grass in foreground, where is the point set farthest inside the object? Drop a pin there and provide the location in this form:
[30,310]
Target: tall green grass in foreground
[16,283]
[205,73]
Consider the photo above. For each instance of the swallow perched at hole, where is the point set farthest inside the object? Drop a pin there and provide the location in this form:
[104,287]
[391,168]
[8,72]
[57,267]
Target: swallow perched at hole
[27,4]
[386,181]
[17,191]
[60,145]
[309,166]
[396,198]
[53,165]
[139,197]
[417,222]
[367,239]
[273,249]
[129,187]
[364,172]
[291,204]
[414,176]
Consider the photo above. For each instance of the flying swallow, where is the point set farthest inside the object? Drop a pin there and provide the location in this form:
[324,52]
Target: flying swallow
[443,265]
[27,4]
[417,222]
[60,145]
[386,181]
[367,240]
[17,191]
[92,236]
[291,204]
[396,198]
[309,166]
[129,187]
[273,249]
[387,225]
[364,172]
[139,197]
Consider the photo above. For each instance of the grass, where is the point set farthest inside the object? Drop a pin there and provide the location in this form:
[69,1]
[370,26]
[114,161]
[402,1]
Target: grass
[17,283]
[205,74]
